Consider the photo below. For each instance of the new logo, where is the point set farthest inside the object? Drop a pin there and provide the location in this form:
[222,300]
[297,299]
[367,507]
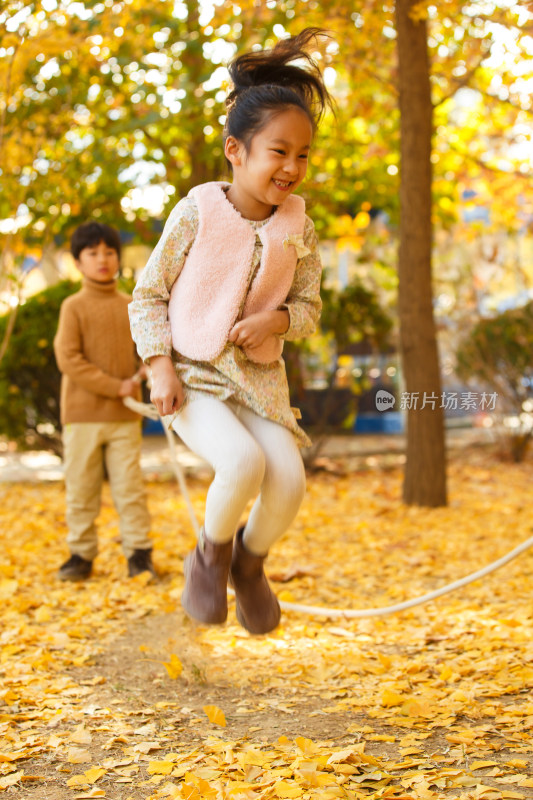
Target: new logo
[384,400]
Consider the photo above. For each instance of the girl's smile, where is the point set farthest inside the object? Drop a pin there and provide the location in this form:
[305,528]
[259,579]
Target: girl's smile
[283,185]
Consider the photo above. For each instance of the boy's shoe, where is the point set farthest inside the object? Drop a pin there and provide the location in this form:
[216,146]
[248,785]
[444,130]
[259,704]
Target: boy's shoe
[141,561]
[75,569]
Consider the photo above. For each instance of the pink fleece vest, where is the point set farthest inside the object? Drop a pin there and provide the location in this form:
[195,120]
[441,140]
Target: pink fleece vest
[206,298]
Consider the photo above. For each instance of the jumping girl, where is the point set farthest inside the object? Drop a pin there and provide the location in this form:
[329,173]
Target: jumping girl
[236,272]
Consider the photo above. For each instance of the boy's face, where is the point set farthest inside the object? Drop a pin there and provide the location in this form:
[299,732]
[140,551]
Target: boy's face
[98,262]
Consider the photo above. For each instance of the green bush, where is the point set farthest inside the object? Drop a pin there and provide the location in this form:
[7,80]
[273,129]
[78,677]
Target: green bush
[350,316]
[355,314]
[498,352]
[29,377]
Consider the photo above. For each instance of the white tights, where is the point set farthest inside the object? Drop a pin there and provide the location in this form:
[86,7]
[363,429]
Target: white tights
[251,457]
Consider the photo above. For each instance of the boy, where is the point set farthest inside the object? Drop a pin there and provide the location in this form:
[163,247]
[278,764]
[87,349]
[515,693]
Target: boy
[96,356]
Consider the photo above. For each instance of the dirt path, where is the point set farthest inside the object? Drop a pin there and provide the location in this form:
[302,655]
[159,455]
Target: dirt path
[132,715]
[429,704]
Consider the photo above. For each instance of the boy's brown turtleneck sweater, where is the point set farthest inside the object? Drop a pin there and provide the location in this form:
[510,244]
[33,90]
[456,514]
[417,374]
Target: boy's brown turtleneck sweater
[95,353]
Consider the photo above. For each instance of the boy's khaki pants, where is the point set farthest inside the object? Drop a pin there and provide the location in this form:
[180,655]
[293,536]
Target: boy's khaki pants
[87,447]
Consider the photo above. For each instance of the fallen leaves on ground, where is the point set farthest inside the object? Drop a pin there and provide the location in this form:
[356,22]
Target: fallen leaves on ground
[174,666]
[107,690]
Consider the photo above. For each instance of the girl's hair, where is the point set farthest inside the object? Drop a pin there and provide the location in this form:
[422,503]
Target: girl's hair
[266,83]
[91,234]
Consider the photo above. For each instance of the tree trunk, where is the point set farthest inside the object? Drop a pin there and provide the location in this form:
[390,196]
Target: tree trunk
[425,471]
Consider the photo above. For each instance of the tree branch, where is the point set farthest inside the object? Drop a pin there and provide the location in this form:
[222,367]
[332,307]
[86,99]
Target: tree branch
[495,170]
[460,84]
[506,101]
[9,330]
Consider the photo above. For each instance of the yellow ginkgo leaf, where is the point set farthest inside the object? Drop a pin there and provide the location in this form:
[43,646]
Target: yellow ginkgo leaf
[390,698]
[386,661]
[174,667]
[10,780]
[160,767]
[93,774]
[80,735]
[77,780]
[206,790]
[215,715]
[285,789]
[43,614]
[286,597]
[76,755]
[307,746]
[189,792]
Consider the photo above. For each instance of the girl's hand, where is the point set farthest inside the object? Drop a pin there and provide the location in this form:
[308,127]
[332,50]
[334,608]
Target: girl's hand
[252,331]
[167,392]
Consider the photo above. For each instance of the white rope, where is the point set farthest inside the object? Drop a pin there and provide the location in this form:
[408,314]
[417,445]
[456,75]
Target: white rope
[181,480]
[149,410]
[416,601]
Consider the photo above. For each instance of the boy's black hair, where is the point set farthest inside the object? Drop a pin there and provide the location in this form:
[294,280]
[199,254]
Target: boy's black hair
[91,234]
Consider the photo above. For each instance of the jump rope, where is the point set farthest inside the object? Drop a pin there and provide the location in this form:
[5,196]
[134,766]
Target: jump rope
[149,410]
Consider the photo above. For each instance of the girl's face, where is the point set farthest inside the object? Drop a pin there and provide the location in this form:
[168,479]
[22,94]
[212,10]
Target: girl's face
[274,166]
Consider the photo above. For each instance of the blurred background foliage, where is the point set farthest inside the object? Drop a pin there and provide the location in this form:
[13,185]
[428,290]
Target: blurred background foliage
[29,377]
[114,110]
[498,353]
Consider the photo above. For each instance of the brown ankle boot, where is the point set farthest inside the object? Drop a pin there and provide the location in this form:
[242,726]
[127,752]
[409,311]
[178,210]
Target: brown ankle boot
[256,605]
[206,569]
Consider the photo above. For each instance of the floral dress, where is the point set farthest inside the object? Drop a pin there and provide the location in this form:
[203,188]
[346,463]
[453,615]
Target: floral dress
[262,388]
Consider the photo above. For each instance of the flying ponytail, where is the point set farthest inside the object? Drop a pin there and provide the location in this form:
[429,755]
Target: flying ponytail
[266,82]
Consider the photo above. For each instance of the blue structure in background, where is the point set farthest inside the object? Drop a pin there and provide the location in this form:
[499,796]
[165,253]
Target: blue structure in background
[380,422]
